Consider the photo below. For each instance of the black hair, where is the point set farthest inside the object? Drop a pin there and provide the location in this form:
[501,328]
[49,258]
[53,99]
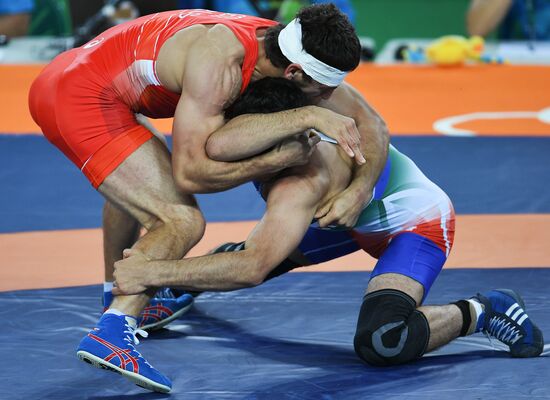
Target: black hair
[272,49]
[327,34]
[267,95]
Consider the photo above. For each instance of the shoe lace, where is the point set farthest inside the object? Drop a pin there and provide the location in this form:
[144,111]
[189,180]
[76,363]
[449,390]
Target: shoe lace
[503,330]
[165,293]
[131,337]
[132,333]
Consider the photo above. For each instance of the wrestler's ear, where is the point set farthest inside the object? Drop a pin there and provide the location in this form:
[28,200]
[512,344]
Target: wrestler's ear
[293,72]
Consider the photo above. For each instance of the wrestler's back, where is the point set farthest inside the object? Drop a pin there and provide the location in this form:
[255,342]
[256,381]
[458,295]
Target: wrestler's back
[338,167]
[328,171]
[122,61]
[172,57]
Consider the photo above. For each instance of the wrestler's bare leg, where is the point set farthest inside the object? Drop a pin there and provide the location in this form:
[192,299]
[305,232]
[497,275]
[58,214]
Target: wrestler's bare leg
[120,231]
[445,321]
[143,187]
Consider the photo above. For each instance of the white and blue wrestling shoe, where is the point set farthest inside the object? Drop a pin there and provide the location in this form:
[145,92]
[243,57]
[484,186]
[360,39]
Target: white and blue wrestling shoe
[164,308]
[505,319]
[111,346]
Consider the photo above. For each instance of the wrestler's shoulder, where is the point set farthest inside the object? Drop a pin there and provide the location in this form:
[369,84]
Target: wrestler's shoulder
[224,39]
[218,36]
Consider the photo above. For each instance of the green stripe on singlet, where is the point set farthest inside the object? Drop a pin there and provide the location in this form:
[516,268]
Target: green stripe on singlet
[403,176]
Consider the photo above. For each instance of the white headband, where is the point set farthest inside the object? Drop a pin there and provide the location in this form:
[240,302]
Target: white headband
[290,43]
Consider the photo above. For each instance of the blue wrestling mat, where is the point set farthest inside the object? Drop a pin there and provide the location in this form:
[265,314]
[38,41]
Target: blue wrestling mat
[288,339]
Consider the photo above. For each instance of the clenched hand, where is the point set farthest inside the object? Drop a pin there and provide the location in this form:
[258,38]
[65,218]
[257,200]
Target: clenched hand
[130,273]
[344,209]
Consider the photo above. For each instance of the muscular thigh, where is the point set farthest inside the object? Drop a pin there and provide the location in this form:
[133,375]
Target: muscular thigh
[143,186]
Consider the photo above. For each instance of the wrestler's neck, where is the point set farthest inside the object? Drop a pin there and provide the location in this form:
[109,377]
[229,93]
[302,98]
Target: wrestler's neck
[264,67]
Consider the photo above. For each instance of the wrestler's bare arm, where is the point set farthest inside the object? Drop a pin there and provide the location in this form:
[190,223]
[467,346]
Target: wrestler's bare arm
[210,81]
[291,203]
[250,134]
[346,100]
[344,209]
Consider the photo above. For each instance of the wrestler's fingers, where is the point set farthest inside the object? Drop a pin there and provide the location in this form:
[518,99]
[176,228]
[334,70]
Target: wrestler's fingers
[127,253]
[321,212]
[347,149]
[359,158]
[132,252]
[356,134]
[326,220]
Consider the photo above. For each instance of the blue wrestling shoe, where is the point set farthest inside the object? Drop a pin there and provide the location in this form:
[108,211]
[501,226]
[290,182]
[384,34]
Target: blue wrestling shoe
[111,346]
[163,308]
[505,319]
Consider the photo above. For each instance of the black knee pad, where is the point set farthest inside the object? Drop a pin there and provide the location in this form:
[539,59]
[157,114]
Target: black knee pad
[390,331]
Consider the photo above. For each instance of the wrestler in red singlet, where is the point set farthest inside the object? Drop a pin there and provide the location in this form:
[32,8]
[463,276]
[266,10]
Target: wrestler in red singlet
[86,99]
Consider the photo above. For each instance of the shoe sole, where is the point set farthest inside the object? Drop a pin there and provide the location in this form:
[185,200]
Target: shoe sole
[139,380]
[162,323]
[528,351]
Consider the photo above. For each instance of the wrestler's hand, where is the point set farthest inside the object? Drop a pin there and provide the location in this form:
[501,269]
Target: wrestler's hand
[340,128]
[130,273]
[296,150]
[344,209]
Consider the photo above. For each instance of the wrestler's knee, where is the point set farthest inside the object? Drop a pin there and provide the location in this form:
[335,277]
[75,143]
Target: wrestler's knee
[390,331]
[180,219]
[188,220]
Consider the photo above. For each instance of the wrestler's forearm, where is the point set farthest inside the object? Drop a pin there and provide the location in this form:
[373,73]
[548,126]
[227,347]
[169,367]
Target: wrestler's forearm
[250,134]
[374,146]
[374,136]
[210,176]
[217,272]
[290,209]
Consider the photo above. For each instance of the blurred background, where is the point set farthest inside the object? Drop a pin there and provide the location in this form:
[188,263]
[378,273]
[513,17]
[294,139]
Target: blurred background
[378,22]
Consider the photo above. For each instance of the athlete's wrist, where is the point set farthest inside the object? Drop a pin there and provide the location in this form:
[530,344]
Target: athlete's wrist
[308,116]
[158,276]
[362,190]
[271,162]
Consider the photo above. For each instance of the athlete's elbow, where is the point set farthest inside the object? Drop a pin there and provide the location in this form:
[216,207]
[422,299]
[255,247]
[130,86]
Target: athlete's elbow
[186,182]
[383,130]
[193,180]
[190,180]
[257,268]
[215,150]
[254,276]
[248,278]
[377,131]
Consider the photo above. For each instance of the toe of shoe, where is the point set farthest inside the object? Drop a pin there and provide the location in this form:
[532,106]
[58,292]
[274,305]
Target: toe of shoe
[184,299]
[532,346]
[526,350]
[160,379]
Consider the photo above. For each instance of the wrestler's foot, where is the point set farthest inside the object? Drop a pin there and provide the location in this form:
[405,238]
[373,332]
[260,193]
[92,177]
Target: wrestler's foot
[111,346]
[505,319]
[165,307]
